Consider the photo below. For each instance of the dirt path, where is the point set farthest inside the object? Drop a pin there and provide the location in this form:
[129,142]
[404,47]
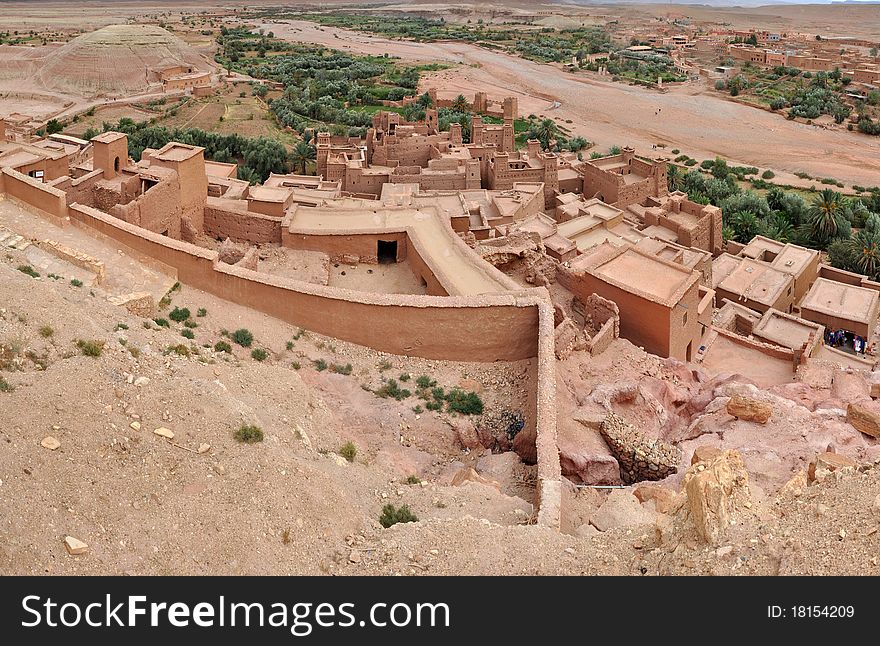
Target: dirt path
[609,113]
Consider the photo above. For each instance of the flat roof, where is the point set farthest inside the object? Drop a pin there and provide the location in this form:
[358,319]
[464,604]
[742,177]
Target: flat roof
[108,137]
[640,273]
[752,279]
[219,169]
[175,151]
[841,300]
[784,329]
[269,193]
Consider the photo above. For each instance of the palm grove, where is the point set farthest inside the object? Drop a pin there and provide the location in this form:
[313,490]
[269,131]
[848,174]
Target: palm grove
[848,228]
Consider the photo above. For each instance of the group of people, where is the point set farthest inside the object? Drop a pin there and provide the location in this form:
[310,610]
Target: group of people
[839,338]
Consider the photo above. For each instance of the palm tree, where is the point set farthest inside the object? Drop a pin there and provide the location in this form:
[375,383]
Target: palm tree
[776,227]
[745,225]
[865,250]
[460,104]
[303,153]
[544,131]
[823,213]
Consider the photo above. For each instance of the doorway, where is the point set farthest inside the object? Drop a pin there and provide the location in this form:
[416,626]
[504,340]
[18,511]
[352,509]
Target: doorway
[386,251]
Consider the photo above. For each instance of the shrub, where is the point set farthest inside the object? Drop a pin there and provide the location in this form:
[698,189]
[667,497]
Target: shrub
[202,312]
[90,348]
[187,333]
[417,409]
[179,349]
[434,405]
[296,365]
[179,314]
[391,516]
[768,174]
[248,434]
[290,345]
[243,337]
[46,331]
[340,369]
[30,271]
[392,389]
[464,403]
[320,365]
[161,322]
[413,480]
[384,365]
[5,386]
[405,376]
[76,282]
[720,85]
[190,324]
[258,354]
[121,326]
[348,451]
[134,351]
[222,346]
[425,382]
[675,151]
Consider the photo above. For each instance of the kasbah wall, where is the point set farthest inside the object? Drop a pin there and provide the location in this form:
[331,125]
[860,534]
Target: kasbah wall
[506,326]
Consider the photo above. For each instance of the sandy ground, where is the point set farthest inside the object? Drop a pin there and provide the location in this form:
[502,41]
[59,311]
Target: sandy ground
[608,113]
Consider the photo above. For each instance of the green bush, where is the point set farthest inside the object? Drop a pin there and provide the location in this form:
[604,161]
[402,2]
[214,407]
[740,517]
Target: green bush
[5,386]
[768,174]
[391,389]
[222,346]
[348,451]
[161,322]
[296,365]
[413,480]
[405,376]
[202,312]
[46,331]
[248,434]
[243,337]
[259,354]
[289,345]
[340,369]
[187,333]
[179,349]
[76,282]
[425,382]
[30,271]
[190,324]
[90,348]
[465,403]
[320,365]
[417,409]
[179,314]
[391,516]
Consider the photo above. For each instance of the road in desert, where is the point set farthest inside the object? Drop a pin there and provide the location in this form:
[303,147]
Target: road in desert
[699,124]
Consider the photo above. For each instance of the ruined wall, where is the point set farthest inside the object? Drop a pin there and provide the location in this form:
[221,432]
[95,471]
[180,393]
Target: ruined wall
[363,245]
[642,322]
[34,192]
[253,228]
[156,210]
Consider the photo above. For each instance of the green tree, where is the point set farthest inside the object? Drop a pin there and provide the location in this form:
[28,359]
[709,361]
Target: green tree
[303,153]
[460,104]
[824,214]
[864,250]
